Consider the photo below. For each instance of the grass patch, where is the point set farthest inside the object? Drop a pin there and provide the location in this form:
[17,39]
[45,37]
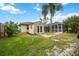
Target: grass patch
[23,44]
[65,37]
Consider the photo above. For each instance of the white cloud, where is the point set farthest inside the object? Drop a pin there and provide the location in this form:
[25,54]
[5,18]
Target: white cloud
[37,7]
[65,3]
[11,9]
[60,17]
[2,4]
[12,3]
[72,14]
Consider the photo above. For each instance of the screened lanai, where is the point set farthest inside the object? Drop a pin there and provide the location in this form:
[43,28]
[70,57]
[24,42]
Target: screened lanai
[56,27]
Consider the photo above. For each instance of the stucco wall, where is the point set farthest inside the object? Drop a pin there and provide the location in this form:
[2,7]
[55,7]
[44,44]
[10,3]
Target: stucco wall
[23,28]
[32,28]
[39,24]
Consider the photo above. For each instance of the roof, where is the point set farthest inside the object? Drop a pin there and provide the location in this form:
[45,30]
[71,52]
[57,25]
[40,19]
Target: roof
[55,23]
[26,23]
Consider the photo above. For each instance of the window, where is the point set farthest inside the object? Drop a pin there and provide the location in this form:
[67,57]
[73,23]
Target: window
[37,28]
[27,27]
[60,28]
[40,28]
[55,28]
[52,28]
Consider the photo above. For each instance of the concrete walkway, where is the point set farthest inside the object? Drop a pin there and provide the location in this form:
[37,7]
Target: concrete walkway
[50,35]
[47,36]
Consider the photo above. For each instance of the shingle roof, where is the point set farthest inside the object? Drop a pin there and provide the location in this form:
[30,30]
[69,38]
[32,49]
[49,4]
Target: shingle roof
[26,23]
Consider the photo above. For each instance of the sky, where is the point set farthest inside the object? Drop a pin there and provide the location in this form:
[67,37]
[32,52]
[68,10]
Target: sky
[31,12]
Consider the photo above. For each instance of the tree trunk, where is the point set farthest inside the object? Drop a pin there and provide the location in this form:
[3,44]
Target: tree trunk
[50,26]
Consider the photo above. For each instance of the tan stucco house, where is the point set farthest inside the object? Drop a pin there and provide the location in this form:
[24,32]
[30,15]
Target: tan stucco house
[32,27]
[39,27]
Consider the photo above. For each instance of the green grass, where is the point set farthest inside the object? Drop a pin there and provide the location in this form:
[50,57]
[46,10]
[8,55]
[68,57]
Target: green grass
[66,37]
[25,45]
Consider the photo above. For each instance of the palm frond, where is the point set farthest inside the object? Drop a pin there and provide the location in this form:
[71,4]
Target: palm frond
[52,9]
[59,7]
[45,10]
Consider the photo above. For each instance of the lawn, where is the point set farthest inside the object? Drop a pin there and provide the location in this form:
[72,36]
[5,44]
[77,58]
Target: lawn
[26,45]
[23,44]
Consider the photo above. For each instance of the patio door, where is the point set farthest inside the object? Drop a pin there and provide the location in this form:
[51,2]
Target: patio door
[39,29]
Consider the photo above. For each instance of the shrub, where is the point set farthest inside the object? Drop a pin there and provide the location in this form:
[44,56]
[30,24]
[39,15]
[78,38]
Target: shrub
[72,24]
[10,28]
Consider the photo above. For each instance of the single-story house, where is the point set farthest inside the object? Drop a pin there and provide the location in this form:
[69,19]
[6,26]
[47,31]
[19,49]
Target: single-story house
[39,27]
[1,30]
[32,27]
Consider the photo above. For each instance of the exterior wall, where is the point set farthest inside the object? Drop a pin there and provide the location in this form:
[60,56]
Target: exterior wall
[23,28]
[57,28]
[32,28]
[39,24]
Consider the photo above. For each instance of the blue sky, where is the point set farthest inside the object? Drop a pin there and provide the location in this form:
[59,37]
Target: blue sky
[27,12]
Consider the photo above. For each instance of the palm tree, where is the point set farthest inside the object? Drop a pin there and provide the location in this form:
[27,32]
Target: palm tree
[44,12]
[52,8]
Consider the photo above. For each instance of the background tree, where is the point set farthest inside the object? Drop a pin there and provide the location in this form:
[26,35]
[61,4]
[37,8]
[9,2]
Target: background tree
[52,8]
[10,28]
[72,23]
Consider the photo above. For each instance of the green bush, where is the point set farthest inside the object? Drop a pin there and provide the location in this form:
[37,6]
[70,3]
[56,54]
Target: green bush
[10,28]
[72,24]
